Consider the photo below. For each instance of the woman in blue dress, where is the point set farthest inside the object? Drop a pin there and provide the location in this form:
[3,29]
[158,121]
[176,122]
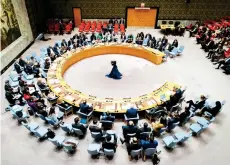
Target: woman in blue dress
[114,74]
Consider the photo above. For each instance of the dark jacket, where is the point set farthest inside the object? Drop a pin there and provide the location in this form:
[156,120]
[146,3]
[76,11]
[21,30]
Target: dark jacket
[79,126]
[94,128]
[109,145]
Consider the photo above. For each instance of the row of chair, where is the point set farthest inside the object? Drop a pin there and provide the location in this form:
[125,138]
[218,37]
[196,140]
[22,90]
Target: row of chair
[175,51]
[41,133]
[178,138]
[94,151]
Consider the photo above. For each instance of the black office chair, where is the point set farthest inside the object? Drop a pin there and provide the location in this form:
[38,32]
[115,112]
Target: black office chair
[171,22]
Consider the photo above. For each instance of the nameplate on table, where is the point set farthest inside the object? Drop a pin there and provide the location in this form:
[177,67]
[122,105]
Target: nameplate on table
[69,98]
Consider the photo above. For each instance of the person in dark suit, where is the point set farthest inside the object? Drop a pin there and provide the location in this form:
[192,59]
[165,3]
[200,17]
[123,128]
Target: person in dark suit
[129,129]
[149,142]
[7,87]
[55,50]
[18,68]
[225,62]
[145,128]
[199,104]
[85,108]
[22,62]
[107,144]
[164,42]
[181,117]
[175,43]
[108,116]
[95,127]
[174,98]
[29,68]
[61,28]
[47,64]
[64,43]
[93,38]
[134,145]
[131,112]
[213,111]
[78,125]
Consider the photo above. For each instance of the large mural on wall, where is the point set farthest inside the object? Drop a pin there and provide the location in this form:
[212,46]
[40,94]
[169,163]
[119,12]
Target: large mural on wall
[10,30]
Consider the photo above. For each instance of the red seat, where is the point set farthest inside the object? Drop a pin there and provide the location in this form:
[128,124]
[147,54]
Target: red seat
[93,28]
[68,28]
[227,53]
[51,28]
[56,27]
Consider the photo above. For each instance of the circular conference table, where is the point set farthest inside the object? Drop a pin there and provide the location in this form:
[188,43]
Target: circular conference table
[57,84]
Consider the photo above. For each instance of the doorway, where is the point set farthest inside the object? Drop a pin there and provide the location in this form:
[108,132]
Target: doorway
[77,16]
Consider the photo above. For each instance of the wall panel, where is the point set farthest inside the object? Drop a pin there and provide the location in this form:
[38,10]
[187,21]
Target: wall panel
[169,9]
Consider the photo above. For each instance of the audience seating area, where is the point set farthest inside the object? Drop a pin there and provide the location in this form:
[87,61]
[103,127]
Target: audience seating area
[214,38]
[54,26]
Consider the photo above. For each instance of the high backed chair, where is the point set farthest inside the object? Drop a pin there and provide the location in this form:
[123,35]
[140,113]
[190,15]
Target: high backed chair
[108,153]
[180,102]
[197,128]
[182,137]
[180,50]
[78,132]
[170,142]
[133,119]
[57,140]
[222,103]
[43,118]
[174,52]
[148,153]
[106,124]
[51,122]
[94,150]
[40,132]
[175,108]
[86,116]
[30,126]
[14,76]
[66,110]
[96,135]
[68,147]
[66,128]
[13,84]
[135,154]
[153,116]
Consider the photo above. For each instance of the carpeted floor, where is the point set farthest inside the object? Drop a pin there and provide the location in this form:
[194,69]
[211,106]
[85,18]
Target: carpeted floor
[191,69]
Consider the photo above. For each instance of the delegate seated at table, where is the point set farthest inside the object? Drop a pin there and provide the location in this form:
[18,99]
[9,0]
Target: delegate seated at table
[181,117]
[108,116]
[174,98]
[130,38]
[131,112]
[85,108]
